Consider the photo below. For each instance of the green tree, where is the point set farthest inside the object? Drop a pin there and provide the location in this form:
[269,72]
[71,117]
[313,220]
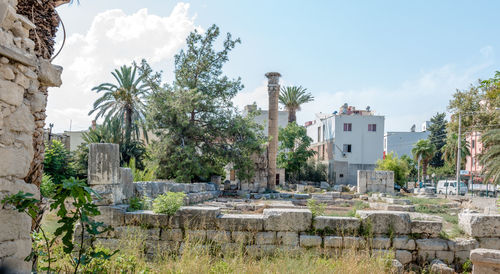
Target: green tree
[437,136]
[423,151]
[199,129]
[124,101]
[292,98]
[449,150]
[490,158]
[399,167]
[293,150]
[412,165]
[57,162]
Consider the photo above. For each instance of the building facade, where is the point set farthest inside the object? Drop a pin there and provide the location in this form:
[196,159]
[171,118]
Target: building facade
[401,143]
[347,141]
[476,147]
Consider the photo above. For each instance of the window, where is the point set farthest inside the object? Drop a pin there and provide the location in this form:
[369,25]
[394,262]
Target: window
[473,144]
[372,127]
[323,135]
[446,184]
[347,127]
[341,175]
[319,134]
[323,152]
[347,148]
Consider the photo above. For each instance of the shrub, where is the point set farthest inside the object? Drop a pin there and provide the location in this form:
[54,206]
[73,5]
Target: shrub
[316,208]
[168,203]
[47,187]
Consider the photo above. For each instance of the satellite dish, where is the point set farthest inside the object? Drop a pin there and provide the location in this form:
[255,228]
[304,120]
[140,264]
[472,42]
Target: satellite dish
[413,128]
[367,108]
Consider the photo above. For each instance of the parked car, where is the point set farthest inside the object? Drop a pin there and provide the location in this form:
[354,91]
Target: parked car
[450,187]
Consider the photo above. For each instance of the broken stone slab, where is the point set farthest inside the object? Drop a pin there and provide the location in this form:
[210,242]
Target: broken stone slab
[104,164]
[460,244]
[48,74]
[485,261]
[404,256]
[385,222]
[480,225]
[284,219]
[343,225]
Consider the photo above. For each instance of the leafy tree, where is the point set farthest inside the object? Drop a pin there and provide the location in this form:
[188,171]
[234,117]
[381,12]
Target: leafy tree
[449,150]
[292,98]
[423,151]
[399,167]
[313,171]
[199,130]
[124,101]
[293,150]
[438,137]
[490,158]
[412,166]
[57,162]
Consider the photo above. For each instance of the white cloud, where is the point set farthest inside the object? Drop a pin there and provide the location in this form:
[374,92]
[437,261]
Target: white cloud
[114,38]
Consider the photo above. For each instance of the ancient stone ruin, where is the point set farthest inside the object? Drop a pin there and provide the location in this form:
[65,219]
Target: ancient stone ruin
[22,117]
[375,181]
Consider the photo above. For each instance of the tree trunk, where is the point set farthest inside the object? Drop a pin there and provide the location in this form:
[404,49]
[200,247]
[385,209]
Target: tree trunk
[292,115]
[128,125]
[424,169]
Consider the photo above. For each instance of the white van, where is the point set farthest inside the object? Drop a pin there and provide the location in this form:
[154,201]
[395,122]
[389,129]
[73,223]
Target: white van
[450,187]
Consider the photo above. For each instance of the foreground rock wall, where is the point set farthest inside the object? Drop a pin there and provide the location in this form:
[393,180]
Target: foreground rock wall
[410,241]
[22,116]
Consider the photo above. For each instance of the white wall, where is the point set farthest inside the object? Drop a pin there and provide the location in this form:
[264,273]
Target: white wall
[401,143]
[263,119]
[367,146]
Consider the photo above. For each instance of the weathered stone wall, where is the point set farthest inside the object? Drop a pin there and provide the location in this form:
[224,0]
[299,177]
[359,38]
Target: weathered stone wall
[22,117]
[410,241]
[375,181]
[195,193]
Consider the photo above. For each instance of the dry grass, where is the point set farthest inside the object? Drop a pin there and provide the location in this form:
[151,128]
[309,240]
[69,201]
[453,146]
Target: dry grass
[198,258]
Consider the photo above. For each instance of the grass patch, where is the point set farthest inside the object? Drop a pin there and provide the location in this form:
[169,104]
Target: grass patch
[427,201]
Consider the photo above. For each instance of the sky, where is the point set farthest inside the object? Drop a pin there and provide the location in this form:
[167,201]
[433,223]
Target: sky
[404,59]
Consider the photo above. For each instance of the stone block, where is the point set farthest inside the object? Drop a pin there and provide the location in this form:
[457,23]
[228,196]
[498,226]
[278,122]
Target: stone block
[217,236]
[11,93]
[438,267]
[265,238]
[49,74]
[426,228]
[381,243]
[193,217]
[196,236]
[13,186]
[463,244]
[461,256]
[333,241]
[432,244]
[353,242]
[426,255]
[284,219]
[14,225]
[242,237]
[171,234]
[104,164]
[287,238]
[480,225]
[386,222]
[133,232]
[403,243]
[7,248]
[489,243]
[445,256]
[126,183]
[404,256]
[240,222]
[260,250]
[111,215]
[21,120]
[485,261]
[150,219]
[310,240]
[338,225]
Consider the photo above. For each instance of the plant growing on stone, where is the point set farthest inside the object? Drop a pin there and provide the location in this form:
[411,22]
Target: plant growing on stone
[168,203]
[79,194]
[316,208]
[47,187]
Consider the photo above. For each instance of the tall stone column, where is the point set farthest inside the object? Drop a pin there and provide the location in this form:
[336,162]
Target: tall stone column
[273,89]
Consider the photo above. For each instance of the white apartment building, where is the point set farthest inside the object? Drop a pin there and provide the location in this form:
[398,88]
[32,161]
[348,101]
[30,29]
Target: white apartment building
[348,141]
[401,143]
[263,117]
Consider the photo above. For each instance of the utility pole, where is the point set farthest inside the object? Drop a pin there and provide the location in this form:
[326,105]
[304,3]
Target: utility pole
[458,151]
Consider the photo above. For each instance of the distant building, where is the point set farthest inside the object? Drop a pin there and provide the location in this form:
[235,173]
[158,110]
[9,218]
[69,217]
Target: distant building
[347,141]
[476,147]
[402,142]
[262,118]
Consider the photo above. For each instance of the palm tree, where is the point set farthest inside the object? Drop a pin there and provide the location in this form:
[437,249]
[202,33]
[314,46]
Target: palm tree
[124,100]
[423,150]
[490,158]
[292,97]
[450,149]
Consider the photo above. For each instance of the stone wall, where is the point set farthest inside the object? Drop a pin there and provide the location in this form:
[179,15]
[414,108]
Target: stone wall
[195,193]
[375,181]
[409,240]
[22,118]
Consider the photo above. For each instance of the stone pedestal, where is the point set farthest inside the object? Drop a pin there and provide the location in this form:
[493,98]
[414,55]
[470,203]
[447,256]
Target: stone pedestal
[485,261]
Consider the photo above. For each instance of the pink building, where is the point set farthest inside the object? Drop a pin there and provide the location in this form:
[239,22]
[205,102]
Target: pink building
[472,164]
